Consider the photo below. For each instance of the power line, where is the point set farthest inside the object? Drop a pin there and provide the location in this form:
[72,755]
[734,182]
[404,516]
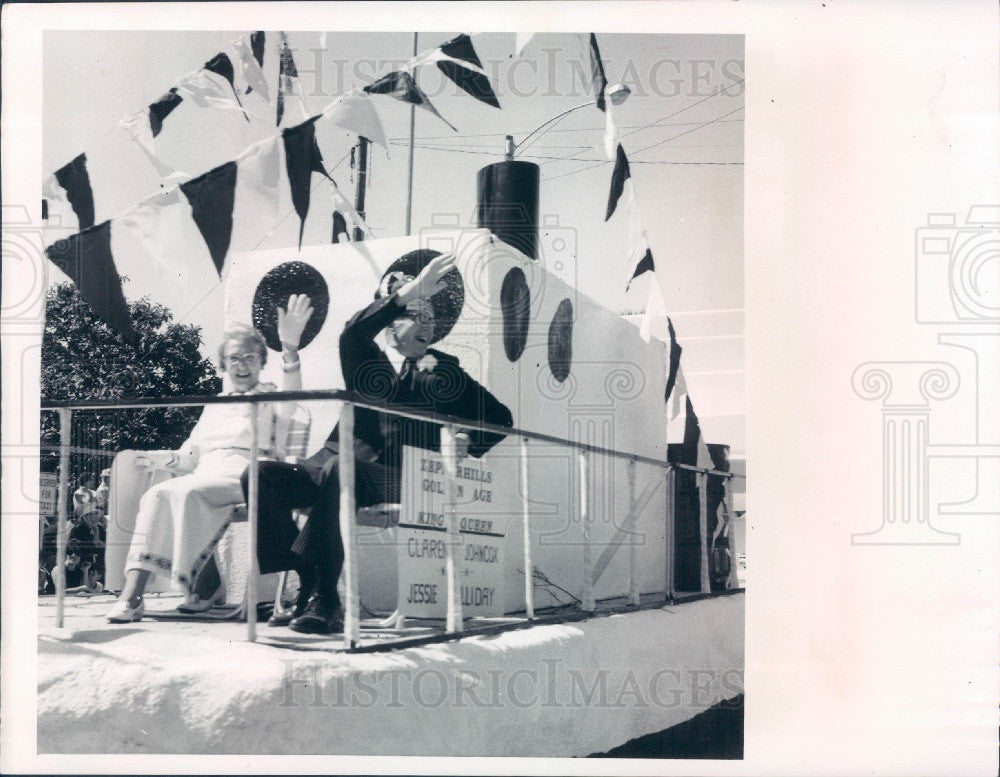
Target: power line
[681,110]
[659,143]
[577,159]
[655,122]
[685,132]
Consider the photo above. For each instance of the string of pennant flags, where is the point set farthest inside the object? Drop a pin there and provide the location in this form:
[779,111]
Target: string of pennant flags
[134,241]
[693,449]
[172,245]
[213,86]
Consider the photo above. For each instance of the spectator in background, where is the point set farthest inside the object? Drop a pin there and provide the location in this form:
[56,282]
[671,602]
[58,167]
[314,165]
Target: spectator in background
[101,494]
[84,498]
[88,535]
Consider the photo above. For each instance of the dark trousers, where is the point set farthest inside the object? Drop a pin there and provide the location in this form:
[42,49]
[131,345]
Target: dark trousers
[318,546]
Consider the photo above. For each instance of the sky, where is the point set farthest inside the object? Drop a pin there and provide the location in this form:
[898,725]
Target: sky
[682,128]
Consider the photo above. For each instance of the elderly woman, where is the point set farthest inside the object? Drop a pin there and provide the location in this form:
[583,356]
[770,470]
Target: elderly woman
[180,520]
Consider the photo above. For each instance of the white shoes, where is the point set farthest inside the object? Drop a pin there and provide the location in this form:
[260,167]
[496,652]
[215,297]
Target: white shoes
[122,612]
[196,605]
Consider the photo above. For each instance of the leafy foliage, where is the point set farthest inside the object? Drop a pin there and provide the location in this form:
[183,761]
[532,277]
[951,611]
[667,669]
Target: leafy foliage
[82,358]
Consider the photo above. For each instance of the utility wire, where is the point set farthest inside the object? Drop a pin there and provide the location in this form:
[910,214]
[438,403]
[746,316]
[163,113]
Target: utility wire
[656,122]
[644,148]
[578,159]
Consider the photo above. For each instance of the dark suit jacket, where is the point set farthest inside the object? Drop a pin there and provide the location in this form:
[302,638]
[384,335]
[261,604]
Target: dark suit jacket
[445,388]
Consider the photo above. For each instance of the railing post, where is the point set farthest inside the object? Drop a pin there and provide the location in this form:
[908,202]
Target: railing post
[633,548]
[529,583]
[454,619]
[62,508]
[253,498]
[352,612]
[702,478]
[587,598]
[671,480]
[733,581]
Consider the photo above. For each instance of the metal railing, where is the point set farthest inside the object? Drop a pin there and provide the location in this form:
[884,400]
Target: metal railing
[449,428]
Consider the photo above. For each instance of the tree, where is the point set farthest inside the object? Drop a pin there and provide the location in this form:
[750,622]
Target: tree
[82,359]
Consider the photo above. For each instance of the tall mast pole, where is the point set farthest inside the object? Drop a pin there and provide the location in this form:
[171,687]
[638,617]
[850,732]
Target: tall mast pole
[409,174]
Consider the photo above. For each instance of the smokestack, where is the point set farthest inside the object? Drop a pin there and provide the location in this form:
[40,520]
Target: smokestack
[508,204]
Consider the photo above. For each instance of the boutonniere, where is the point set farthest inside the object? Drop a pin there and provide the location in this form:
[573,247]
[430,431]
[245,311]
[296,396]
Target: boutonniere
[427,363]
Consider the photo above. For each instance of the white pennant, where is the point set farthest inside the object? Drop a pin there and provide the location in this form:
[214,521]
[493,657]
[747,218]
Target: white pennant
[251,69]
[655,309]
[356,113]
[208,90]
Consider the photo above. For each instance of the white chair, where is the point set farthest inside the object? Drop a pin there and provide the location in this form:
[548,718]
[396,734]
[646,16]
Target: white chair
[129,482]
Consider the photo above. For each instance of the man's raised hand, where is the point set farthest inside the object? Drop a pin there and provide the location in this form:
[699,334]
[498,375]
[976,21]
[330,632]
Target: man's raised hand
[429,282]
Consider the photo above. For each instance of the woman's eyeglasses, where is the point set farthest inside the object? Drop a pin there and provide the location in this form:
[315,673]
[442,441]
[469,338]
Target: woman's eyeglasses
[246,360]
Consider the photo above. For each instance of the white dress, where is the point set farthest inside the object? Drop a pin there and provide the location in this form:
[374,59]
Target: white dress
[180,520]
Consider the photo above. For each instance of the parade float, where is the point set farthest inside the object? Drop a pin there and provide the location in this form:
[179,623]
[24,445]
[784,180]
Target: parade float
[574,590]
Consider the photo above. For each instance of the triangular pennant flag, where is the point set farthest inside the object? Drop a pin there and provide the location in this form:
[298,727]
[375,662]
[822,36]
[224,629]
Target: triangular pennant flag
[204,89]
[597,78]
[674,357]
[286,72]
[75,180]
[461,48]
[344,205]
[162,108]
[152,253]
[645,265]
[86,258]
[356,113]
[655,309]
[476,84]
[340,227]
[696,451]
[638,244]
[211,196]
[302,159]
[618,177]
[251,67]
[678,396]
[158,248]
[262,200]
[260,170]
[257,40]
[610,134]
[140,127]
[400,85]
[221,65]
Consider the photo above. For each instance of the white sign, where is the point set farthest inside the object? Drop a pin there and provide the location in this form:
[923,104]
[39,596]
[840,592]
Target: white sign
[48,493]
[423,537]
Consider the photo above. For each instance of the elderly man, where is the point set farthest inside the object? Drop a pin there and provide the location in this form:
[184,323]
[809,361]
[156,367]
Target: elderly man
[408,373]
